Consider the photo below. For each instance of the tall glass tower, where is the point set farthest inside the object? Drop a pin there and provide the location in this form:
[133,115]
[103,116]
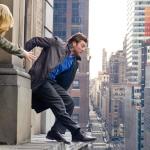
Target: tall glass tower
[135,36]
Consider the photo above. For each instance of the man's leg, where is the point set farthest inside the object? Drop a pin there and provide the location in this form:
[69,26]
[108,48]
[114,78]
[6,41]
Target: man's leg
[50,97]
[69,104]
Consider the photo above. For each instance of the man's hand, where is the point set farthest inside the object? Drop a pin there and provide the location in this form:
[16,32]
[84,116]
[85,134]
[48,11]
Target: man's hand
[29,56]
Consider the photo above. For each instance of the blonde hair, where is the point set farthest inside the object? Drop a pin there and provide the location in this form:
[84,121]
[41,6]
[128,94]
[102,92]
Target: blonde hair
[6,19]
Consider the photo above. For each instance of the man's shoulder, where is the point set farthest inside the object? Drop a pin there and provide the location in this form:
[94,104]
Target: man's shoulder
[59,40]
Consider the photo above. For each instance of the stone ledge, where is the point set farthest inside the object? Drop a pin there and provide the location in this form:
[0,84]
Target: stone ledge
[39,142]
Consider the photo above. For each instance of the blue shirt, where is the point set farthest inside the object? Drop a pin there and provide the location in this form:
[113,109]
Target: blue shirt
[64,66]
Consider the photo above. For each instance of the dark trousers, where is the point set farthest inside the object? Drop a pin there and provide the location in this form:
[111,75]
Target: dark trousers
[51,95]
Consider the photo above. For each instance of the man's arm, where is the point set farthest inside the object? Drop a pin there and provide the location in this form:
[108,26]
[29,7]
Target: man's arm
[11,48]
[39,42]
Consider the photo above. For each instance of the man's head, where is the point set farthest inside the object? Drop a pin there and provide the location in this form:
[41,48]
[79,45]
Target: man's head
[6,19]
[78,43]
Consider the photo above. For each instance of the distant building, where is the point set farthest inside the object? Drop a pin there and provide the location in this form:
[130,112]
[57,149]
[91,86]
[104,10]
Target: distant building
[135,35]
[147,102]
[70,17]
[104,61]
[130,123]
[104,94]
[117,83]
[117,67]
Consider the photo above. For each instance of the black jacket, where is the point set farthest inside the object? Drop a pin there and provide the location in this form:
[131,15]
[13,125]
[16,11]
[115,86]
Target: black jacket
[53,53]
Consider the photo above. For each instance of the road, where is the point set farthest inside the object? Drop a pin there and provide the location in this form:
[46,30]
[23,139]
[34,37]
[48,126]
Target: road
[97,131]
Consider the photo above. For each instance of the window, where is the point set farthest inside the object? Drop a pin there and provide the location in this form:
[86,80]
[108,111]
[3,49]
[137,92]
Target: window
[115,110]
[75,30]
[76,20]
[75,117]
[76,101]
[48,25]
[76,84]
[75,12]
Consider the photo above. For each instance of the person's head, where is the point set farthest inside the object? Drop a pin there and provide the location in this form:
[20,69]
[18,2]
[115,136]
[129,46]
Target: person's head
[78,43]
[6,19]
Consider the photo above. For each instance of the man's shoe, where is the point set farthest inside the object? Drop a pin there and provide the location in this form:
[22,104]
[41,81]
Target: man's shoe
[79,136]
[55,135]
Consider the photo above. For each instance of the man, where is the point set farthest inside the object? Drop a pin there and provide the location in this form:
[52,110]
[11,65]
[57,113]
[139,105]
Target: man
[51,75]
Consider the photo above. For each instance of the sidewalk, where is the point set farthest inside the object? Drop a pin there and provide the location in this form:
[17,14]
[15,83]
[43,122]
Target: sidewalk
[39,142]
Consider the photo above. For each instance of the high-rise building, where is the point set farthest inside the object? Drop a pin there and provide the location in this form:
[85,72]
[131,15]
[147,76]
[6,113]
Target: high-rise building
[70,17]
[147,83]
[130,123]
[104,104]
[147,101]
[104,60]
[117,67]
[135,35]
[135,109]
[117,81]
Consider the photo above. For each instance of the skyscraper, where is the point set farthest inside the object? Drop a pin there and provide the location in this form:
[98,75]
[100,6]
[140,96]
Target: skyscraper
[70,17]
[117,78]
[117,67]
[135,35]
[104,61]
[147,83]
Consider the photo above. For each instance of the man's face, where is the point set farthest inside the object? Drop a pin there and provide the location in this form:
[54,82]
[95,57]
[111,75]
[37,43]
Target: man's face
[79,47]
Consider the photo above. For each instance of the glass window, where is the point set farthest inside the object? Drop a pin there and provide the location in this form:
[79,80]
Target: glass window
[76,101]
[75,117]
[76,84]
[75,30]
[48,16]
[76,20]
[115,110]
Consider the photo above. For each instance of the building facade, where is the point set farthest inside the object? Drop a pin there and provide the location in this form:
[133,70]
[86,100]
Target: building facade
[147,82]
[147,102]
[70,17]
[135,36]
[117,67]
[104,61]
[32,18]
[117,83]
[129,121]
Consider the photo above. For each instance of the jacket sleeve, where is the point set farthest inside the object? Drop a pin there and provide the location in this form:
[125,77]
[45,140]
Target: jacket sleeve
[11,48]
[39,42]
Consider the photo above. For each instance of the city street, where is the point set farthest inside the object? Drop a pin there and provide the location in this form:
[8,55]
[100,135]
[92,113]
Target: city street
[97,131]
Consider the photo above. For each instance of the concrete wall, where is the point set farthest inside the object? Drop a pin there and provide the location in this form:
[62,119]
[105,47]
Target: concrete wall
[15,90]
[16,118]
[39,18]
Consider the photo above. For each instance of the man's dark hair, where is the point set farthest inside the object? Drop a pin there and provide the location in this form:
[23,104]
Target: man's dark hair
[77,38]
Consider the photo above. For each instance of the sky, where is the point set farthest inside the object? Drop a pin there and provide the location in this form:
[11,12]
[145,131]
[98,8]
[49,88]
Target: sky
[107,28]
